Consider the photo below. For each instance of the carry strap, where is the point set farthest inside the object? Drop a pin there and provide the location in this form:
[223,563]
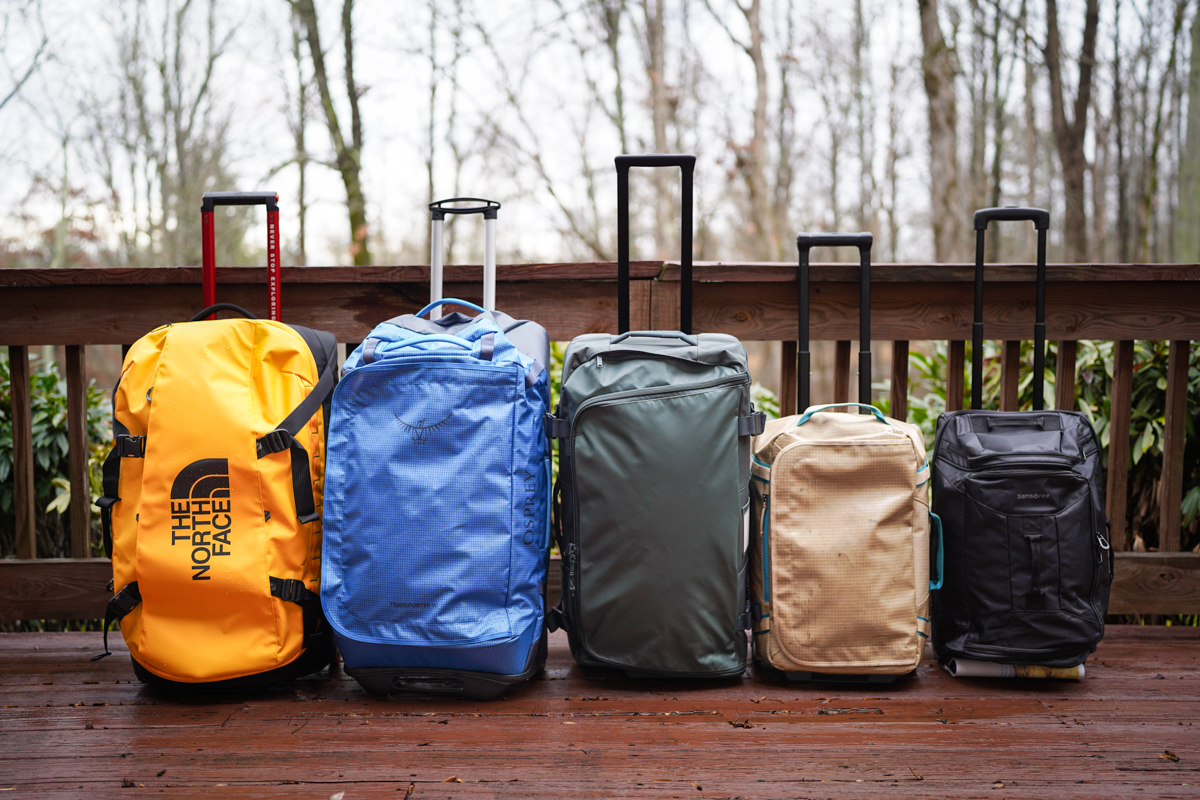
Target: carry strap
[294,591]
[118,608]
[284,438]
[554,617]
[1033,535]
[556,427]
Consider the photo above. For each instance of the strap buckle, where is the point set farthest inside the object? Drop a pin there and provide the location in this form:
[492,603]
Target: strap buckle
[274,442]
[125,601]
[130,446]
[290,590]
[556,427]
[753,424]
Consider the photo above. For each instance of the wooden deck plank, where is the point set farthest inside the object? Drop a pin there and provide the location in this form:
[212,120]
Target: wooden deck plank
[573,733]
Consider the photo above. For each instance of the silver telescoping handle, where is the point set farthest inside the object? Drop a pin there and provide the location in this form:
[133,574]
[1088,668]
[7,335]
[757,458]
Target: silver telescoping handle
[438,211]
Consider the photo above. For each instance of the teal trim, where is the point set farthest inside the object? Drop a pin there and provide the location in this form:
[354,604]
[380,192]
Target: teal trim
[941,554]
[446,300]
[761,464]
[922,619]
[766,546]
[807,414]
[923,635]
[923,468]
[764,480]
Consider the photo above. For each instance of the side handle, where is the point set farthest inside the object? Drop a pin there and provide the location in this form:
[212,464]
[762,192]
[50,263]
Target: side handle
[687,165]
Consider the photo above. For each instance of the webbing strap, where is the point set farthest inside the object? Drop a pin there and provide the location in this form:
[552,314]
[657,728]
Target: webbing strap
[284,438]
[118,608]
[368,353]
[752,424]
[535,372]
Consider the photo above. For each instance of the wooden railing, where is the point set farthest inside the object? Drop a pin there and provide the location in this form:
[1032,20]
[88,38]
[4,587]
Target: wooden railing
[1120,303]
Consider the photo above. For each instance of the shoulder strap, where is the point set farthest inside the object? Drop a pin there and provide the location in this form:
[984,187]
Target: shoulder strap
[284,438]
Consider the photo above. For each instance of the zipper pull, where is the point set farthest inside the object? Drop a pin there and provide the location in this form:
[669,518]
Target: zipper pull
[571,567]
[1103,547]
[599,362]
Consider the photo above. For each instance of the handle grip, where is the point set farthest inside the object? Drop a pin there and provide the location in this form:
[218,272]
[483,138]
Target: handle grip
[804,243]
[489,209]
[687,164]
[872,409]
[859,240]
[941,554]
[656,335]
[211,311]
[449,301]
[213,199]
[1040,217]
[436,337]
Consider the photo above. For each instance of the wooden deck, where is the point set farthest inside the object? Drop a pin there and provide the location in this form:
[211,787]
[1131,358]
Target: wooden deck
[71,727]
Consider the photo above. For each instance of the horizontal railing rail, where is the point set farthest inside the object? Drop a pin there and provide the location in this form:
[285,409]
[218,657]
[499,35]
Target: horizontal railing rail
[753,301]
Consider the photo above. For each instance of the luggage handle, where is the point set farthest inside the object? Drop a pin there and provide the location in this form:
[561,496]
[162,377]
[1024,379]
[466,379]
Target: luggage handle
[437,213]
[941,554]
[1041,222]
[208,269]
[435,337]
[687,165]
[211,312]
[692,340]
[450,301]
[872,409]
[863,241]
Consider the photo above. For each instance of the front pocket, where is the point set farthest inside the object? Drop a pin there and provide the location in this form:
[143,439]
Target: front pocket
[1027,539]
[840,554]
[659,528]
[419,519]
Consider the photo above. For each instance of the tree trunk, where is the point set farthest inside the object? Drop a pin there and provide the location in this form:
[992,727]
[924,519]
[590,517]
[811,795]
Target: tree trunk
[660,115]
[1150,186]
[1069,134]
[1187,226]
[938,70]
[347,154]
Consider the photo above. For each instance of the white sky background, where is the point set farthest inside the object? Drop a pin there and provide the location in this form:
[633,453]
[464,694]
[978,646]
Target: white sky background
[547,71]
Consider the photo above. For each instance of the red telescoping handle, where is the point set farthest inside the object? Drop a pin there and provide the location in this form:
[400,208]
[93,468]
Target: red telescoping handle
[209,272]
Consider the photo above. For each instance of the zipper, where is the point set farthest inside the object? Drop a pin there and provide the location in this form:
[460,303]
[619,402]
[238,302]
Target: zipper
[996,650]
[766,548]
[622,398]
[1052,460]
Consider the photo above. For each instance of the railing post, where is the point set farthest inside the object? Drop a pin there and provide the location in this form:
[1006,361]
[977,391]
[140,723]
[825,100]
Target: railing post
[1170,488]
[77,453]
[841,374]
[1010,376]
[22,436]
[899,398]
[1120,409]
[955,377]
[1064,376]
[788,367]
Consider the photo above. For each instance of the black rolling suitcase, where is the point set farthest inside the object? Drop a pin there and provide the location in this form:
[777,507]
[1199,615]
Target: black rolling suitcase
[1021,498]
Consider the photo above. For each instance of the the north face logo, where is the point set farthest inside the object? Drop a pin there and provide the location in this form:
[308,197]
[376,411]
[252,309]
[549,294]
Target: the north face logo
[200,512]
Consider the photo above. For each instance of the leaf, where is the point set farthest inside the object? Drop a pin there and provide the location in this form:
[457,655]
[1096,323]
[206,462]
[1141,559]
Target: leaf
[1167,755]
[452,779]
[998,785]
[699,788]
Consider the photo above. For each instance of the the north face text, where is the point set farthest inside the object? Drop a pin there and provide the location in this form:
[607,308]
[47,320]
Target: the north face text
[201,513]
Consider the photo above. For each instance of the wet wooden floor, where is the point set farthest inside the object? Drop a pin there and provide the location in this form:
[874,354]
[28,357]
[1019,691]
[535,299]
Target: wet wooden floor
[74,728]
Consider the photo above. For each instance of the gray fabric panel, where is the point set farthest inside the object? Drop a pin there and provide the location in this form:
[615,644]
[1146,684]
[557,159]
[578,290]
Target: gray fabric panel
[528,337]
[535,370]
[487,346]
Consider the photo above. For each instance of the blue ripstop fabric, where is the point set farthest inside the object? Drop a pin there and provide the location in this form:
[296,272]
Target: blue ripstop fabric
[436,516]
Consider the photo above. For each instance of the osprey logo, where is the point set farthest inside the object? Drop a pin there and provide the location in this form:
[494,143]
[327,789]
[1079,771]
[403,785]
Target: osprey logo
[200,512]
[420,432]
[1033,496]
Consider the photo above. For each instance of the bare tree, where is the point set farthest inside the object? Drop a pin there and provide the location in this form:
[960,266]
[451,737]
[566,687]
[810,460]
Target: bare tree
[347,150]
[17,75]
[939,68]
[1187,228]
[1070,134]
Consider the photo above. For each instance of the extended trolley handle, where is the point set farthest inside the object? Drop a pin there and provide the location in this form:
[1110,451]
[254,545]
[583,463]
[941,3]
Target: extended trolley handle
[687,165]
[437,213]
[1041,222]
[863,241]
[208,204]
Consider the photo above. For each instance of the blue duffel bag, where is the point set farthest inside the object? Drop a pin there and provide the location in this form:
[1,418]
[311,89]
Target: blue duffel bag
[436,518]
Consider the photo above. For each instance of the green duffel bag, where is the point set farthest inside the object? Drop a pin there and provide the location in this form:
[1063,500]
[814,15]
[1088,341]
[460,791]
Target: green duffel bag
[652,497]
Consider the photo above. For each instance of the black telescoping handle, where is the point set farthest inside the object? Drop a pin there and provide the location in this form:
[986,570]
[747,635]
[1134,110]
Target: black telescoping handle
[438,209]
[1040,218]
[687,165]
[863,241]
